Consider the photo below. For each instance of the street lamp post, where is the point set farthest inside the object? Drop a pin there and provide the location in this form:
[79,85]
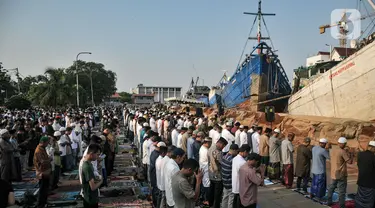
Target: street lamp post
[77,75]
[92,90]
[330,51]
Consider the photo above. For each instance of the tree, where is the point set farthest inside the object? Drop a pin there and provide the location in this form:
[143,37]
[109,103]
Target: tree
[7,86]
[52,89]
[104,81]
[19,102]
[125,97]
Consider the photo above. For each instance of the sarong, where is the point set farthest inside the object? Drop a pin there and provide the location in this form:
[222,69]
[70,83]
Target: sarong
[319,185]
[288,175]
[273,170]
[365,197]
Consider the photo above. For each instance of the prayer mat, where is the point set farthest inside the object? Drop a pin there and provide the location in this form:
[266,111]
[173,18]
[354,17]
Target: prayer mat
[66,204]
[117,178]
[25,185]
[117,192]
[124,183]
[348,204]
[268,182]
[64,196]
[323,200]
[29,174]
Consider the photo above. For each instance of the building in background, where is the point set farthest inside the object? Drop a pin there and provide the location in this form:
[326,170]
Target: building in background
[158,92]
[143,99]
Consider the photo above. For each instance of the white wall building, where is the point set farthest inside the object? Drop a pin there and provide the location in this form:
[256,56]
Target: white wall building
[160,93]
[318,58]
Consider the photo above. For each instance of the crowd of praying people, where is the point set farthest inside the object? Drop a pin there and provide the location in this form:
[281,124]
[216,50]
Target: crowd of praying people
[52,143]
[215,161]
[187,159]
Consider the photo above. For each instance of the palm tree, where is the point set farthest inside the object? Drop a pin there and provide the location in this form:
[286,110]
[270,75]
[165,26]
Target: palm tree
[53,89]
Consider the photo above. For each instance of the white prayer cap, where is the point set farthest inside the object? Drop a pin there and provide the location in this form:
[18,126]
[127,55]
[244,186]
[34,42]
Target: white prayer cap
[57,133]
[179,127]
[3,131]
[145,124]
[72,124]
[251,131]
[241,127]
[323,140]
[372,143]
[277,131]
[62,129]
[161,144]
[342,140]
[228,124]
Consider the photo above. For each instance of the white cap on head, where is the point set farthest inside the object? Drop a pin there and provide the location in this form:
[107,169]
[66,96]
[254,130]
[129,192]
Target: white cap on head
[241,127]
[62,129]
[179,127]
[323,140]
[342,140]
[161,144]
[228,124]
[277,131]
[372,143]
[251,131]
[145,124]
[57,133]
[3,131]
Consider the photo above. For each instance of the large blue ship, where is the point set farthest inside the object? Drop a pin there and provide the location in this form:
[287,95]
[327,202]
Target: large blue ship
[260,77]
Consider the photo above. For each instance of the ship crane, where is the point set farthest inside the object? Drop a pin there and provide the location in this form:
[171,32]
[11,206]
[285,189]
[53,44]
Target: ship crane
[342,24]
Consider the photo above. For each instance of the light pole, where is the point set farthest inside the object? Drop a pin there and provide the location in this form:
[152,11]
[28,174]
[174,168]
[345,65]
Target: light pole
[330,51]
[92,90]
[77,75]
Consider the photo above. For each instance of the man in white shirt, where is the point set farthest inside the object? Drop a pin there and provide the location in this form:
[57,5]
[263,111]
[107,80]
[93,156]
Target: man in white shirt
[227,136]
[163,162]
[255,138]
[153,123]
[237,162]
[237,135]
[216,134]
[203,165]
[287,160]
[179,138]
[160,127]
[171,168]
[159,181]
[243,136]
[175,133]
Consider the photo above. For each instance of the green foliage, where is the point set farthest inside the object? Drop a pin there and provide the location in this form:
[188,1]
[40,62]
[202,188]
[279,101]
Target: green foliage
[19,102]
[125,97]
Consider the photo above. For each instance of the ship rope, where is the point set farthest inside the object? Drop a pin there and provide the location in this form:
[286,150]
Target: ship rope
[247,40]
[268,32]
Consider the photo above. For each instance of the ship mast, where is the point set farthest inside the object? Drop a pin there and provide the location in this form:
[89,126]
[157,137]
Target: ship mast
[260,18]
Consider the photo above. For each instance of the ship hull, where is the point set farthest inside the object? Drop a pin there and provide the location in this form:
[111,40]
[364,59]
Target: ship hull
[260,78]
[345,91]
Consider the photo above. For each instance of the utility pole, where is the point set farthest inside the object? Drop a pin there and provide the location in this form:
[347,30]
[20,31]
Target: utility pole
[77,75]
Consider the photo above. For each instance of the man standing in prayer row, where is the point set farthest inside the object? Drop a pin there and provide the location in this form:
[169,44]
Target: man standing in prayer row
[303,164]
[339,172]
[6,156]
[365,196]
[43,170]
[184,194]
[319,156]
[287,159]
[170,169]
[237,163]
[226,173]
[250,181]
[275,154]
[214,166]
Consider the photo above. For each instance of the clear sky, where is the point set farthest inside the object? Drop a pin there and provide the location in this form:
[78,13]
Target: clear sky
[157,42]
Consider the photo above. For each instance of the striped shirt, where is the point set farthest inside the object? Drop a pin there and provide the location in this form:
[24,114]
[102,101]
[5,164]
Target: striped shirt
[226,171]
